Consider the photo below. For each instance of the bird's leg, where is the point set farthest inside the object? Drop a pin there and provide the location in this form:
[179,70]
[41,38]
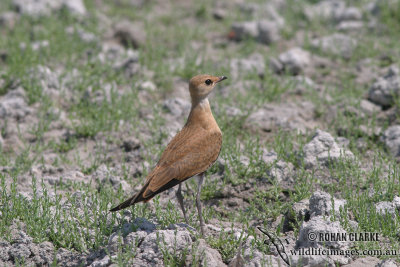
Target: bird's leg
[180,200]
[198,203]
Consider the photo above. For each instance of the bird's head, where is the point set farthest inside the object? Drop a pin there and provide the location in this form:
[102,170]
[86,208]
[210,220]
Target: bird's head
[201,85]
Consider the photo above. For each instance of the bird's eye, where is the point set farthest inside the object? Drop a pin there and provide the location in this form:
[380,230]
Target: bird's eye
[208,82]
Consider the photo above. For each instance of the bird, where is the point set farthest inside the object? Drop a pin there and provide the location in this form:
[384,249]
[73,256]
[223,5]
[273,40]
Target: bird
[191,151]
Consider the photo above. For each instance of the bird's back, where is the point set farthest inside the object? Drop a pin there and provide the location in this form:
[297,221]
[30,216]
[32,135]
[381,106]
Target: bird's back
[192,151]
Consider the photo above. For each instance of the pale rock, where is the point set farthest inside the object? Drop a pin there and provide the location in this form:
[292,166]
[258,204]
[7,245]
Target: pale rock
[295,60]
[385,88]
[324,204]
[243,30]
[336,44]
[322,150]
[391,138]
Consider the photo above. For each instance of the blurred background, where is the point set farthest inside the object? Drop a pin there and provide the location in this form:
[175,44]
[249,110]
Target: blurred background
[91,91]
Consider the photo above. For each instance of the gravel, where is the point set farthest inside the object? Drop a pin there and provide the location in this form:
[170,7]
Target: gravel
[285,116]
[281,172]
[268,32]
[336,11]
[22,248]
[383,91]
[8,19]
[316,225]
[13,105]
[130,34]
[293,61]
[255,63]
[336,44]
[361,262]
[391,138]
[105,175]
[369,108]
[324,9]
[177,106]
[387,207]
[264,31]
[323,150]
[47,7]
[271,103]
[243,30]
[296,213]
[323,204]
[149,242]
[350,25]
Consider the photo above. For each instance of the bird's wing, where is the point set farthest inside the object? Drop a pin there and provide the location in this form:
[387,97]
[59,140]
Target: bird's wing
[191,152]
[182,144]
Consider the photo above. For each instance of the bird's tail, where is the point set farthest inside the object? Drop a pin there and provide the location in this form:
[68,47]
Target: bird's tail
[125,204]
[133,200]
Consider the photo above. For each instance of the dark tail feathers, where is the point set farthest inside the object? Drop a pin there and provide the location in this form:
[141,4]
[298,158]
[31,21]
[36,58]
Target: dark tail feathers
[124,204]
[133,200]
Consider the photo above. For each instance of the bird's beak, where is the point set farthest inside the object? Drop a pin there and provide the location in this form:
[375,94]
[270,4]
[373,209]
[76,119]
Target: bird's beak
[221,78]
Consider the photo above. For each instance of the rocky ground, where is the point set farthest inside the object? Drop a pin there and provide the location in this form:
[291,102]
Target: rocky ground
[92,91]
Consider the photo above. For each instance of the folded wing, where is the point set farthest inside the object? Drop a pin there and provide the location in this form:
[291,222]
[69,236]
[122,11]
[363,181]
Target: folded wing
[191,152]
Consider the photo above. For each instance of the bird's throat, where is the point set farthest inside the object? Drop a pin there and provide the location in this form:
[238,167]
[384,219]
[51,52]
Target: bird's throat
[201,113]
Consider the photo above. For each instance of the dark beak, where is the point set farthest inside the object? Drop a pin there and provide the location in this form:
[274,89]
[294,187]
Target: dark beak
[221,78]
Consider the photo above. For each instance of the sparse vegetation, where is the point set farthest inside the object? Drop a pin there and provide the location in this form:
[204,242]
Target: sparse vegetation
[84,99]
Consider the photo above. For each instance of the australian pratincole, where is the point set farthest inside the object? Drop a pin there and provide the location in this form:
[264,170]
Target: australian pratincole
[191,152]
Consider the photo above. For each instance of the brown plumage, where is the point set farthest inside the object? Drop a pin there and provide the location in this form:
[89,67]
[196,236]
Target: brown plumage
[192,151]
